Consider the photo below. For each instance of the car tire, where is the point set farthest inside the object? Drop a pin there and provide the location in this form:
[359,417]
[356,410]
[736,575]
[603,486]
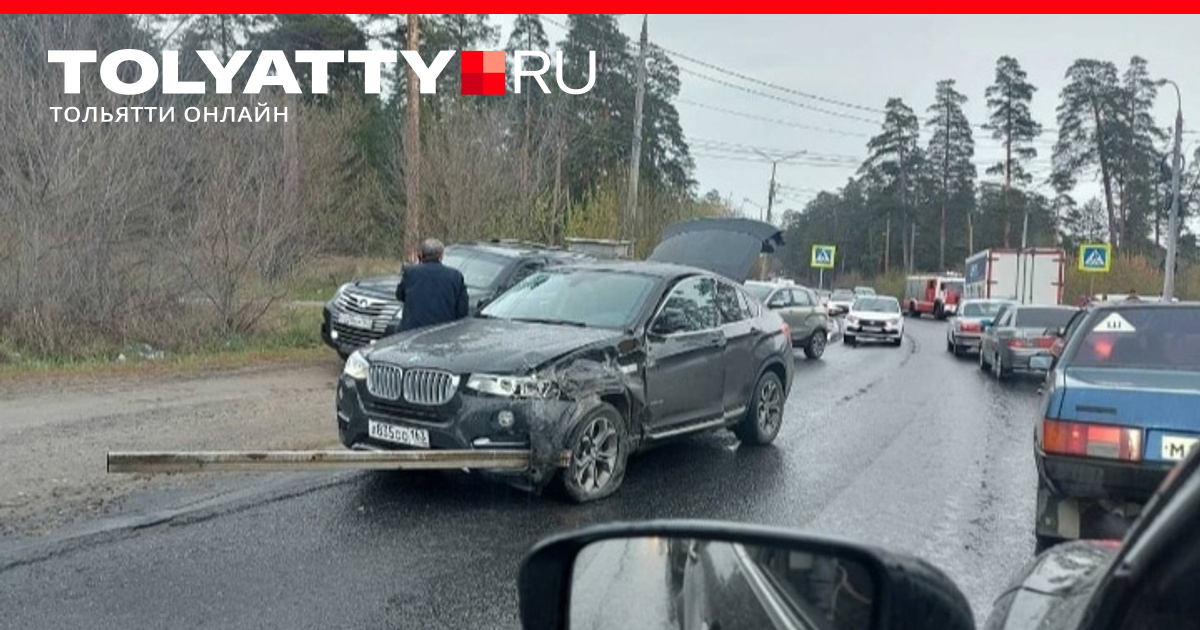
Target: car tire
[815,346]
[998,369]
[984,366]
[764,416]
[606,426]
[912,310]
[899,341]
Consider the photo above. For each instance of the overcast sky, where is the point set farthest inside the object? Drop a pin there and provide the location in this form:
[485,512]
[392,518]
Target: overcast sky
[864,60]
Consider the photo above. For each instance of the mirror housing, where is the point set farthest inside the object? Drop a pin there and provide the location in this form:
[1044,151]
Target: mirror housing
[1041,362]
[668,322]
[901,586]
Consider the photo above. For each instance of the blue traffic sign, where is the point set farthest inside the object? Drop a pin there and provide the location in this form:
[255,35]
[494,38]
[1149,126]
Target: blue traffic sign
[1095,257]
[823,256]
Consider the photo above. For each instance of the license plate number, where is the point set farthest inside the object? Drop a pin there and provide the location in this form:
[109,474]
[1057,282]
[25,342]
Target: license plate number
[1175,448]
[407,436]
[357,321]
[873,329]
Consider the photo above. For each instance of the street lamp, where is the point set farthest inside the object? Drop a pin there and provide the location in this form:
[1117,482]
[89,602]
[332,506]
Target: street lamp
[775,162]
[1173,221]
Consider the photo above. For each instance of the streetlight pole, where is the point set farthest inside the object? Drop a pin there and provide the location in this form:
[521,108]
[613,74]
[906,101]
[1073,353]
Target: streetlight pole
[774,163]
[1173,222]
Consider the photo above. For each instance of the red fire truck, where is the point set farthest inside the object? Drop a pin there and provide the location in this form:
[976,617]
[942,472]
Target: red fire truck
[933,294]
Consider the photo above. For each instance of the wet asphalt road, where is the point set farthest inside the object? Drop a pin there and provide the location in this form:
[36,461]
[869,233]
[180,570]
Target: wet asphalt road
[908,448]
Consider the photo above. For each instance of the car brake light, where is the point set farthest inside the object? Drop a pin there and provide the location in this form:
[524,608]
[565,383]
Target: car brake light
[1092,440]
[1017,343]
[970,326]
[1045,342]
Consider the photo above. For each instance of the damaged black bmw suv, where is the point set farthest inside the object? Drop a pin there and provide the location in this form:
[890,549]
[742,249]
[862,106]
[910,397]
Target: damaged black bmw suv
[583,365]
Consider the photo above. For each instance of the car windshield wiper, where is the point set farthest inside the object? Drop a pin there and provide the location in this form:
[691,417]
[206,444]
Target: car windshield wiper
[555,322]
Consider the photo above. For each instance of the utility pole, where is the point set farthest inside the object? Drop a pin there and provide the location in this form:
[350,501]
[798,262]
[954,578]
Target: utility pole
[887,246]
[774,163]
[412,148]
[1173,221]
[912,248]
[636,157]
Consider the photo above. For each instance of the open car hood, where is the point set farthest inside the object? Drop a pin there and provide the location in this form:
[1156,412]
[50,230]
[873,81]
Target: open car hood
[728,247]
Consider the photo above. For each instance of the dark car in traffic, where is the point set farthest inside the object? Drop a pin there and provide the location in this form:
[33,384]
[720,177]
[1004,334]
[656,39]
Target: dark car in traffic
[1120,407]
[1018,333]
[585,364]
[364,311]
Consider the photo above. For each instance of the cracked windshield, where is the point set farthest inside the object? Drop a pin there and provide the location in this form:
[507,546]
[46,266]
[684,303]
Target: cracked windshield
[611,321]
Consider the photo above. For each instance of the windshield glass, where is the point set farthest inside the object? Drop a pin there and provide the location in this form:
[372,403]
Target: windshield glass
[1043,317]
[982,309]
[864,291]
[842,295]
[759,291]
[601,299]
[1146,338]
[479,270]
[877,305]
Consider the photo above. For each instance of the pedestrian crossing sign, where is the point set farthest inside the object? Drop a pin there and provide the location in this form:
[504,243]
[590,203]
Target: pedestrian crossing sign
[1095,257]
[823,256]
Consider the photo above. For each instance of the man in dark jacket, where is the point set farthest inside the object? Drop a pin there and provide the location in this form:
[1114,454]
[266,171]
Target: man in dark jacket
[432,293]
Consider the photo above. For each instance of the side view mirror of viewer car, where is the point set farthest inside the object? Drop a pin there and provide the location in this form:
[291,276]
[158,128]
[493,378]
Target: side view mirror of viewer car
[710,574]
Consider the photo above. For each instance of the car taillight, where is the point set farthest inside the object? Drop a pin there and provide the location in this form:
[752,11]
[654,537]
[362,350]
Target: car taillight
[1092,440]
[970,327]
[1017,343]
[1044,342]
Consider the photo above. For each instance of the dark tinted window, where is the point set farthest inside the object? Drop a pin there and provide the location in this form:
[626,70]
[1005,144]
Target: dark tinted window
[479,270]
[1042,317]
[525,270]
[728,305]
[694,299]
[1152,338]
[603,299]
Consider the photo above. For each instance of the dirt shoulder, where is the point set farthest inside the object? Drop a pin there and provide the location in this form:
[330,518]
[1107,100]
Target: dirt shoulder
[54,436]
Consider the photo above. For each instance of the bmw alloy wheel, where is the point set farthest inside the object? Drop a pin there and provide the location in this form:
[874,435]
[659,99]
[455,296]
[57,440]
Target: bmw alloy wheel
[595,457]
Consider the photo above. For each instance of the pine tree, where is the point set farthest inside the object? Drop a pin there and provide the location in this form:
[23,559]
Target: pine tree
[949,155]
[1089,132]
[1012,123]
[894,159]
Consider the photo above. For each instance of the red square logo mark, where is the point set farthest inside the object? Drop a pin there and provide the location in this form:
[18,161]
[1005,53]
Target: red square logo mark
[483,73]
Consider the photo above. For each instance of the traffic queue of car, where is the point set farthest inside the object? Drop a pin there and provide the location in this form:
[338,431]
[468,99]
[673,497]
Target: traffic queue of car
[1120,403]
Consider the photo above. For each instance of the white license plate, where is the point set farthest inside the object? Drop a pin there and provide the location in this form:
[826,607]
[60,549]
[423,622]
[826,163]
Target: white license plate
[1175,448]
[873,329]
[357,321]
[407,436]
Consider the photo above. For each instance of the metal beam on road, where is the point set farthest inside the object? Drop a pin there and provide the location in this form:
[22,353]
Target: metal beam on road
[307,461]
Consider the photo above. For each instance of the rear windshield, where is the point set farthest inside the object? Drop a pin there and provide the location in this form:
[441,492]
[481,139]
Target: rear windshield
[1151,338]
[878,305]
[479,270]
[843,294]
[982,309]
[1043,317]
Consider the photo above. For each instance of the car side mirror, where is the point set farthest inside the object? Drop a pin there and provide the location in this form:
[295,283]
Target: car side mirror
[482,303]
[669,322]
[798,580]
[985,324]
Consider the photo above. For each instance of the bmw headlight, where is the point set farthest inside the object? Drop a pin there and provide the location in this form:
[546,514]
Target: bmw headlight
[512,386]
[356,366]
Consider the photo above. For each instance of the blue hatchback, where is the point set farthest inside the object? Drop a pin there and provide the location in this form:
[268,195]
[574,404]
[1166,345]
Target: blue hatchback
[1121,407]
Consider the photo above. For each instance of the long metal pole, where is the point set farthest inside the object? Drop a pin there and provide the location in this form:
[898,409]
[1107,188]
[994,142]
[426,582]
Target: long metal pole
[635,158]
[1173,222]
[771,192]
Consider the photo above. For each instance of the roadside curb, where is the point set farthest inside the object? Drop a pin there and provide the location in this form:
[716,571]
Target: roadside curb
[24,552]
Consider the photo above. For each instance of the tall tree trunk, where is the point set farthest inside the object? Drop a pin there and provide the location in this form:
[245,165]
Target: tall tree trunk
[945,193]
[412,149]
[1114,229]
[1008,139]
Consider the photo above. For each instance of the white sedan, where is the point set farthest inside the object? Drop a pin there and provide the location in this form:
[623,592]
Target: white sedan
[874,318]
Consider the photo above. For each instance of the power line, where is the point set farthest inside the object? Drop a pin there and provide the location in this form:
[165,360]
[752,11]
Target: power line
[792,162]
[773,121]
[780,99]
[738,147]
